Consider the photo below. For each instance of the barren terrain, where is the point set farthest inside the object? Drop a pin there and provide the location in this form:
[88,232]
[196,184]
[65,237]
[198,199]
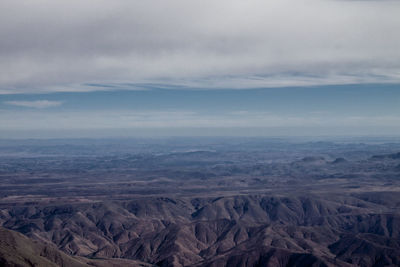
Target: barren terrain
[204,201]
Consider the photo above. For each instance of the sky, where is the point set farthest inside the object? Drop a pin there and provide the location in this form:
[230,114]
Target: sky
[180,67]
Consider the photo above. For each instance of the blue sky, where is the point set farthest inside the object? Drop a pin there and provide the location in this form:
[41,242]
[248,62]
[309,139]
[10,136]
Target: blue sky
[361,99]
[366,109]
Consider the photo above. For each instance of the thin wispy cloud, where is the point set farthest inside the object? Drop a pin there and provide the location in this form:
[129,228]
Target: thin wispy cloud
[184,119]
[38,104]
[52,46]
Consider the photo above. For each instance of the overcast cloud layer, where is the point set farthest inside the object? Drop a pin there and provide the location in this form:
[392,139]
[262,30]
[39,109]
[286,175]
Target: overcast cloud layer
[49,46]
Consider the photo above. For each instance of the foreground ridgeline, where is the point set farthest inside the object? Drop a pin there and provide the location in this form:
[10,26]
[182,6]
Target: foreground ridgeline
[18,250]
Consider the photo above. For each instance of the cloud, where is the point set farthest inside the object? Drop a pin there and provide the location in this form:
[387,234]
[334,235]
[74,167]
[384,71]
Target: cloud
[125,119]
[50,46]
[117,123]
[35,104]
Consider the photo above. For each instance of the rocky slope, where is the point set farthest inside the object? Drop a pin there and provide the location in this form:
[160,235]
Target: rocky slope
[255,230]
[17,250]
